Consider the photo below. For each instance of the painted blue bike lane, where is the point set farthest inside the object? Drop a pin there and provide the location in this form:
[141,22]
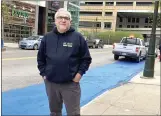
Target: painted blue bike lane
[32,100]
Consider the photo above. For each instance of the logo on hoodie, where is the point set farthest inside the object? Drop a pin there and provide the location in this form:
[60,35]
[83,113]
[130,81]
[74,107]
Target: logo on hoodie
[67,44]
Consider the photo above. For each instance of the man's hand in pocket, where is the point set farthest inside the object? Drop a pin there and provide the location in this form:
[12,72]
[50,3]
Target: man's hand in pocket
[77,78]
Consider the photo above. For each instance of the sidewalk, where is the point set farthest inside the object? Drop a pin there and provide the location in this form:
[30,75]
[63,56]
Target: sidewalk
[11,45]
[138,97]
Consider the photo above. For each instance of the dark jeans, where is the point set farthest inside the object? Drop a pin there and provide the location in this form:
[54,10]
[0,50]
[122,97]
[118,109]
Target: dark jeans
[69,93]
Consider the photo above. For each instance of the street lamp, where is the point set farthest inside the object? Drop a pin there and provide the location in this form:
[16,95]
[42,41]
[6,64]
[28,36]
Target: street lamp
[96,25]
[150,60]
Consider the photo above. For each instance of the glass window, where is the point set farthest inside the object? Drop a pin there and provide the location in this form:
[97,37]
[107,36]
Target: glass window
[146,20]
[120,26]
[129,19]
[33,38]
[128,26]
[133,20]
[134,41]
[107,25]
[132,26]
[137,20]
[137,26]
[120,19]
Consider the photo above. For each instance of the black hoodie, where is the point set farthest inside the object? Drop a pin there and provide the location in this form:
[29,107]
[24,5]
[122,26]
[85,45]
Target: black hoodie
[62,56]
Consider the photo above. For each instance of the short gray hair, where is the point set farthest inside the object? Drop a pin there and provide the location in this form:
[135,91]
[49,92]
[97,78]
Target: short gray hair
[63,10]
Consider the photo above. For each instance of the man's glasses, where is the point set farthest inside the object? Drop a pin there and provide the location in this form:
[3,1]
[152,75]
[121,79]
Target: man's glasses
[65,18]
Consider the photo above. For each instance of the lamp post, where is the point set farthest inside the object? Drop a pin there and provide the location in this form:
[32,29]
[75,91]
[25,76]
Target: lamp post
[149,63]
[96,25]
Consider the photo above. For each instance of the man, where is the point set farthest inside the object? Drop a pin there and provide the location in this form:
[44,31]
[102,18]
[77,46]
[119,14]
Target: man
[63,58]
[160,52]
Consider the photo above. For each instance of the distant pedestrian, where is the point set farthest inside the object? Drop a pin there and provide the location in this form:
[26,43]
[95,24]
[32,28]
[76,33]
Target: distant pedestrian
[160,52]
[63,58]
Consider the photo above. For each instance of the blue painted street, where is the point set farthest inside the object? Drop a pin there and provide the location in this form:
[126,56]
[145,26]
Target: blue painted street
[32,100]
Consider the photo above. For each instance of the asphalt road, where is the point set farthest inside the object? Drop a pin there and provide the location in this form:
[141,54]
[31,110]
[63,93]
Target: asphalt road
[19,67]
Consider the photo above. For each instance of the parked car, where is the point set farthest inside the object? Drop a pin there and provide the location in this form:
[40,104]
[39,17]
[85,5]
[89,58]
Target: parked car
[130,47]
[95,43]
[32,42]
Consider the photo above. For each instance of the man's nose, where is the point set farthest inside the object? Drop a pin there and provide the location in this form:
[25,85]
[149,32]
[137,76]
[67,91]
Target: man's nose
[63,19]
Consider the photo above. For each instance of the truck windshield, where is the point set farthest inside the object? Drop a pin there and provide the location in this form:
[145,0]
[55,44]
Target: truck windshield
[134,41]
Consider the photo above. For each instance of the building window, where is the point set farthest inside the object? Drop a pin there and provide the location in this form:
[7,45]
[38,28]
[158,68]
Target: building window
[93,4]
[137,20]
[98,24]
[129,19]
[84,13]
[85,24]
[128,26]
[120,26]
[144,3]
[124,3]
[109,3]
[107,25]
[132,26]
[108,13]
[137,26]
[121,19]
[146,20]
[145,26]
[133,20]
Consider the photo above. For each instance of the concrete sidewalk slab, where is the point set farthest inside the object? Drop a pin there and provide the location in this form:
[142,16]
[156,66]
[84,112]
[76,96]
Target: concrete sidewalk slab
[129,99]
[138,97]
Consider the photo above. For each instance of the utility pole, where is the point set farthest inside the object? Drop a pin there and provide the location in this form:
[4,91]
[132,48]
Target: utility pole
[150,60]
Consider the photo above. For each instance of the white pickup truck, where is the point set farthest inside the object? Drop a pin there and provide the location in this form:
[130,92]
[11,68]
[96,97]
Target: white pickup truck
[130,47]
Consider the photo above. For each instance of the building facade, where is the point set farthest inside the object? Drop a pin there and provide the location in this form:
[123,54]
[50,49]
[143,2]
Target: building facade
[19,20]
[26,18]
[129,15]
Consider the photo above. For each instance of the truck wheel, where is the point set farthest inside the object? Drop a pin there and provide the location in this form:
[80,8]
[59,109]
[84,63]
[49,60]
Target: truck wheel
[102,46]
[138,59]
[145,56]
[116,57]
[94,46]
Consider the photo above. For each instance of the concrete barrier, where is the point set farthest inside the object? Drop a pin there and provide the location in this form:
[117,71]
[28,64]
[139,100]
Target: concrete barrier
[107,46]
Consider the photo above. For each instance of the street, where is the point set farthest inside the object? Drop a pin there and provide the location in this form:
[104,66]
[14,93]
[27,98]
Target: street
[22,84]
[123,78]
[19,67]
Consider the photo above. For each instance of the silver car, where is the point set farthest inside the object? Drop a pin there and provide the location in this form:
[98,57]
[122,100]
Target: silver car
[32,42]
